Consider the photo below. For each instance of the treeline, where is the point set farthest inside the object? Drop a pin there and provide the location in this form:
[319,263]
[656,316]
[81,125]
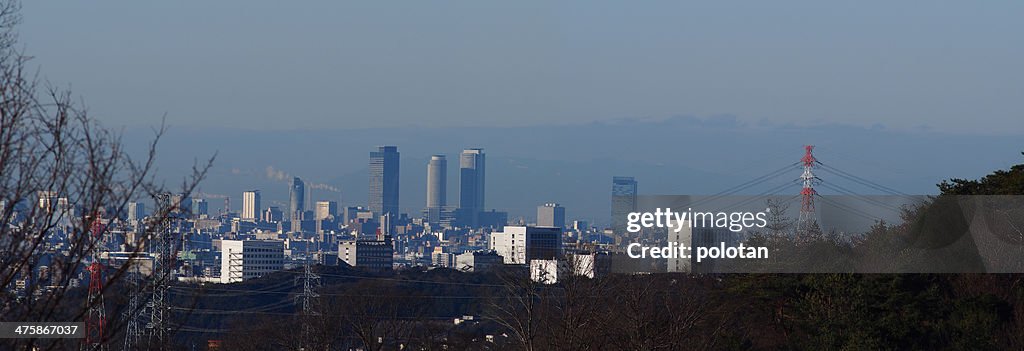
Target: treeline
[644,312]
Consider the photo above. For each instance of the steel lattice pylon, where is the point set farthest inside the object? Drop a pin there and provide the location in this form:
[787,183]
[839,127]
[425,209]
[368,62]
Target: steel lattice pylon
[807,219]
[310,282]
[96,318]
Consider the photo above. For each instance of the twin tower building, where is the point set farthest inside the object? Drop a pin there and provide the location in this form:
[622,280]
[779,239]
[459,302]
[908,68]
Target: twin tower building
[384,174]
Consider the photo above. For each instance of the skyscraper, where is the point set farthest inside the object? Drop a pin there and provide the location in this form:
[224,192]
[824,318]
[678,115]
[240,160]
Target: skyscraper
[437,180]
[182,204]
[384,180]
[136,211]
[623,202]
[297,199]
[200,207]
[471,181]
[251,205]
[551,215]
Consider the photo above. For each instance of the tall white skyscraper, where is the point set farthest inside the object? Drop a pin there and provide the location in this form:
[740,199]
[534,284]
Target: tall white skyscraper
[437,181]
[251,205]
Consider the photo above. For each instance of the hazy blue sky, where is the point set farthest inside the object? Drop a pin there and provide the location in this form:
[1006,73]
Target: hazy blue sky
[948,66]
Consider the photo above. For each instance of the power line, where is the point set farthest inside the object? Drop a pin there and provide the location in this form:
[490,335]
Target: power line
[849,209]
[864,198]
[860,180]
[746,185]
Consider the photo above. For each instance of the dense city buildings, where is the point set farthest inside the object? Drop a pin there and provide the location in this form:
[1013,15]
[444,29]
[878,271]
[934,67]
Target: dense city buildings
[228,247]
[384,170]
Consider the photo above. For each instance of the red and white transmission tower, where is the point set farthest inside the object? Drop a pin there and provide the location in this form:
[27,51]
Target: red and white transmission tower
[96,318]
[807,193]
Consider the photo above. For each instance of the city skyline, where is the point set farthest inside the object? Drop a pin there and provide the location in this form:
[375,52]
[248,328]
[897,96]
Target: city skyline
[699,167]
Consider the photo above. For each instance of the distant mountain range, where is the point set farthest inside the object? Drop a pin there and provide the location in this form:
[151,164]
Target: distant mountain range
[572,164]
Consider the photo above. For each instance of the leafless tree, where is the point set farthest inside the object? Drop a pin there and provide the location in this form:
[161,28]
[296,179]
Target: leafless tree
[376,315]
[65,182]
[576,306]
[517,307]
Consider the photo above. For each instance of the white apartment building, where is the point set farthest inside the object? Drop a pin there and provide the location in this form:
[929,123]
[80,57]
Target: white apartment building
[247,259]
[521,244]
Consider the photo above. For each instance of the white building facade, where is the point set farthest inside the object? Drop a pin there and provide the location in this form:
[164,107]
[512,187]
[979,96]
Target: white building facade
[520,244]
[247,259]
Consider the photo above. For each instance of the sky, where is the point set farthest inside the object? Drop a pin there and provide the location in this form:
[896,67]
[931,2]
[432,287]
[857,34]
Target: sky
[943,66]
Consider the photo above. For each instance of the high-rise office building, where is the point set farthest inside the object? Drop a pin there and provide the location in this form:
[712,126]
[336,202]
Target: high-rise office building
[136,211]
[182,204]
[471,183]
[251,205]
[384,180]
[297,198]
[325,210]
[200,208]
[551,215]
[437,180]
[623,202]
